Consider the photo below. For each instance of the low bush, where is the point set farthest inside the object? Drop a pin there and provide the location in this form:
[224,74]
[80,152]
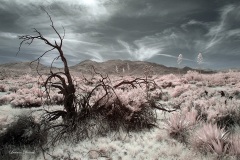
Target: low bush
[179,123]
[211,138]
[3,88]
[235,145]
[23,134]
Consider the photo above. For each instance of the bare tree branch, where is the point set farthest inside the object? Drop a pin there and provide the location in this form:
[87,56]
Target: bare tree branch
[67,88]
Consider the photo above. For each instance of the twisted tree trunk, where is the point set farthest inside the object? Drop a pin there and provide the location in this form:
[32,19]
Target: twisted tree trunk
[66,88]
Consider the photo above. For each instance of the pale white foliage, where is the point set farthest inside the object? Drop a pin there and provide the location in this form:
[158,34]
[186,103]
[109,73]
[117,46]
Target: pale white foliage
[200,59]
[132,100]
[210,137]
[192,76]
[180,58]
[235,144]
[178,90]
[179,122]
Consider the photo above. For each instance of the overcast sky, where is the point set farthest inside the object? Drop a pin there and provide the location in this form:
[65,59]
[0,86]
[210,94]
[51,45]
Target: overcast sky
[146,30]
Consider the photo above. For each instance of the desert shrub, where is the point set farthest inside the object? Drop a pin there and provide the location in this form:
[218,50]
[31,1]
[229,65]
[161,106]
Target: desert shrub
[100,122]
[228,114]
[22,98]
[202,112]
[228,120]
[22,134]
[178,90]
[235,145]
[26,101]
[24,131]
[128,110]
[169,80]
[126,107]
[123,118]
[7,98]
[193,75]
[211,138]
[33,97]
[179,123]
[3,88]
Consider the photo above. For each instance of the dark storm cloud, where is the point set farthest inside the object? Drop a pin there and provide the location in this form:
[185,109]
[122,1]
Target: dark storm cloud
[151,30]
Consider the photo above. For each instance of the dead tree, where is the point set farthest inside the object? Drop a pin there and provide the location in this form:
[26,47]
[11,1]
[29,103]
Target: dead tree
[66,87]
[80,110]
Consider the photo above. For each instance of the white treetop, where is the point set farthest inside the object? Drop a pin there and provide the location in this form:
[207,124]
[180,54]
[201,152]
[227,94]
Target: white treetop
[179,60]
[200,59]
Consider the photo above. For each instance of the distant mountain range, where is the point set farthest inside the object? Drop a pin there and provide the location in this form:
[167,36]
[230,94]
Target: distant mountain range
[109,67]
[128,67]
